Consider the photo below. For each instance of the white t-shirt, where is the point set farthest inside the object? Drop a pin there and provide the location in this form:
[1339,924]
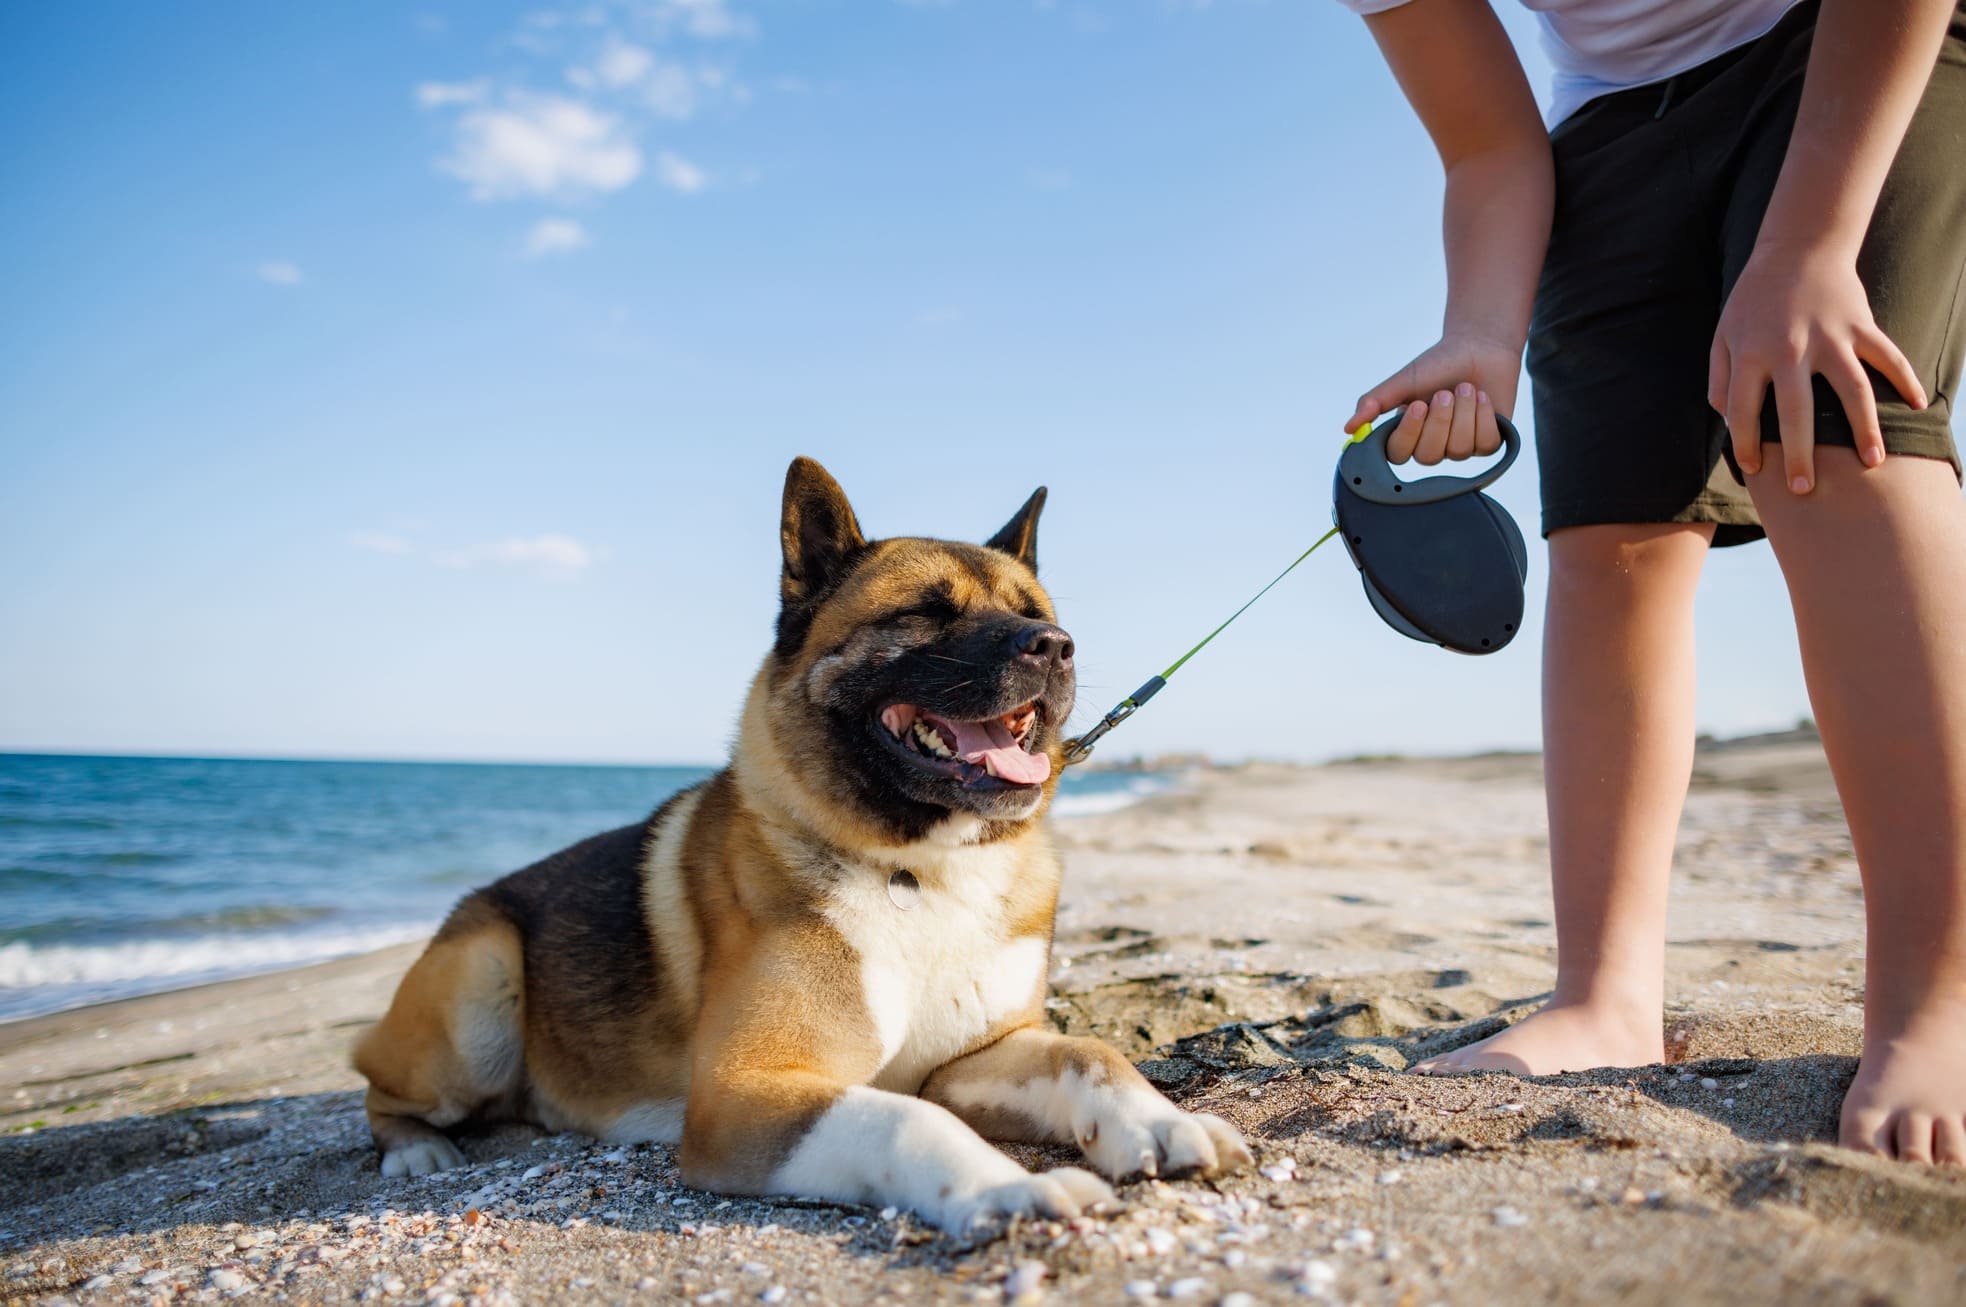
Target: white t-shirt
[1601,46]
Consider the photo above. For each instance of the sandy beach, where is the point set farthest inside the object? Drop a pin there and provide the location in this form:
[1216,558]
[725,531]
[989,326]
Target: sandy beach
[1273,943]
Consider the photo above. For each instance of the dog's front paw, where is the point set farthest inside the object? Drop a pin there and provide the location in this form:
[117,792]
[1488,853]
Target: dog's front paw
[421,1157]
[1058,1195]
[1147,1135]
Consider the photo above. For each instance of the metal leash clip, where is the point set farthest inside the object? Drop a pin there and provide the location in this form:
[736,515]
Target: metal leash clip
[1080,749]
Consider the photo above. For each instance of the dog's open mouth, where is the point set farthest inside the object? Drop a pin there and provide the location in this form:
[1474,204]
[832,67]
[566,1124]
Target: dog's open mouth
[998,747]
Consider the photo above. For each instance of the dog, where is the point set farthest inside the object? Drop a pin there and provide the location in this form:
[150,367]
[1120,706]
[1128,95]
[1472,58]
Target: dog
[822,970]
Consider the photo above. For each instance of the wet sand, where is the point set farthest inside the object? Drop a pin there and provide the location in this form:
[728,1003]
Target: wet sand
[1273,943]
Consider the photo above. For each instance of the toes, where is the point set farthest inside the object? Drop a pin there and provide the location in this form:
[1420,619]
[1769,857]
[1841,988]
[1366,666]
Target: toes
[1125,1149]
[1867,1131]
[424,1157]
[1231,1152]
[1949,1141]
[1085,1189]
[1914,1137]
[1184,1147]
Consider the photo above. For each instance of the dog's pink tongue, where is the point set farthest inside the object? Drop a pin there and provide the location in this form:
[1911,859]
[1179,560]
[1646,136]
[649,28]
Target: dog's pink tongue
[976,741]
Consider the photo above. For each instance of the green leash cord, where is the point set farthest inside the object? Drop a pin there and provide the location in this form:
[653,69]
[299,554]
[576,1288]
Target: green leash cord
[1080,749]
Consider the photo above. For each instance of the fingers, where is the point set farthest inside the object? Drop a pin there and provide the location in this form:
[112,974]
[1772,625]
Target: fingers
[1882,353]
[1461,430]
[1846,376]
[1795,403]
[1746,390]
[1406,436]
[1381,399]
[1439,424]
[1488,436]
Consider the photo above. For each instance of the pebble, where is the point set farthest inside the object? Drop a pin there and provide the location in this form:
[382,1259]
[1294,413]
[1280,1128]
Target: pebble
[1028,1277]
[1391,1177]
[775,1294]
[1727,1102]
[1187,1288]
[1279,1171]
[1239,1300]
[1159,1242]
[224,1280]
[1509,1217]
[1142,1289]
[1234,1258]
[98,1282]
[1709,1083]
[1315,1276]
[128,1266]
[1357,1239]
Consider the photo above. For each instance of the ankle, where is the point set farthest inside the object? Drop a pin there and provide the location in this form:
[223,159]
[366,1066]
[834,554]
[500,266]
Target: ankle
[1632,1006]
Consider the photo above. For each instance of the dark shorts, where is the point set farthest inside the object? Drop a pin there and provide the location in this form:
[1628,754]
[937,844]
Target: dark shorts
[1659,195]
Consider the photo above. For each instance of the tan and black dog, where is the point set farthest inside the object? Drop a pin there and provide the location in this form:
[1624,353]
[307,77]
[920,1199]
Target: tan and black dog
[823,969]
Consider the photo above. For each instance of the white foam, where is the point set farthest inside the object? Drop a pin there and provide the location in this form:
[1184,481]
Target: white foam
[48,978]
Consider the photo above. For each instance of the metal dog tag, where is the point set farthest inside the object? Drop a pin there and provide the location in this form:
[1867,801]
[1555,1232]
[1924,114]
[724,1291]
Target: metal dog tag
[904,890]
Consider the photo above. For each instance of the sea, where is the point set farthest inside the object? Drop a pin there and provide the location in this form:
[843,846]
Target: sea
[125,876]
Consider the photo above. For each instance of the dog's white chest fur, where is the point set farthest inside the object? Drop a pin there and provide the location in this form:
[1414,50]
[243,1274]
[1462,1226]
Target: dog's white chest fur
[938,976]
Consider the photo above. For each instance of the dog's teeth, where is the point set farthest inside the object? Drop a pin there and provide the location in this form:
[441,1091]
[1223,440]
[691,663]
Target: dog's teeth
[931,739]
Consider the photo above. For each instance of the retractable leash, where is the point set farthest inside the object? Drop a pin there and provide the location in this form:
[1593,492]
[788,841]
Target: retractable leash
[1441,562]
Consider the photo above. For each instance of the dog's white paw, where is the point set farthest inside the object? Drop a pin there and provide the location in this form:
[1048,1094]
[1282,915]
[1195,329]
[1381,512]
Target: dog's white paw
[1147,1135]
[1059,1195]
[424,1157]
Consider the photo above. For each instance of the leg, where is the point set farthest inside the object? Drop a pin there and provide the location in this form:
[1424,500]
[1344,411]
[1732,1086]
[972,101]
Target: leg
[1043,1088]
[1617,754]
[450,1043]
[1872,563]
[798,1134]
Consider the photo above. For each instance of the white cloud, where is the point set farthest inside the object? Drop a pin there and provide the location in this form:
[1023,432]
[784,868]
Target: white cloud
[438,95]
[278,272]
[551,554]
[379,542]
[542,145]
[670,90]
[711,20]
[679,174]
[556,236]
[622,64]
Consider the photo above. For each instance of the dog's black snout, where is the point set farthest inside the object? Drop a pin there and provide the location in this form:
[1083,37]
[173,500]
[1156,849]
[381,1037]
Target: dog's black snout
[1045,643]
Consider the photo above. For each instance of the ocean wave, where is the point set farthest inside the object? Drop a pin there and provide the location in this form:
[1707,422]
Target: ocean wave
[47,978]
[1138,790]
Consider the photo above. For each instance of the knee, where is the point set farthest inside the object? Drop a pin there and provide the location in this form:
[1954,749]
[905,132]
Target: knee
[1618,565]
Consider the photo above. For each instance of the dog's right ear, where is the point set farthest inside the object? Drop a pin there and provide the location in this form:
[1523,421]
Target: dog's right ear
[817,531]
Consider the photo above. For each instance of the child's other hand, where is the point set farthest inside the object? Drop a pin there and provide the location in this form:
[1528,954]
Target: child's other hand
[1791,317]
[1452,393]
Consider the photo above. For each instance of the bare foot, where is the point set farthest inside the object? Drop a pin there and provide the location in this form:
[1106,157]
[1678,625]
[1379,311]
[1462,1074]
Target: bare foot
[1909,1098]
[1560,1037]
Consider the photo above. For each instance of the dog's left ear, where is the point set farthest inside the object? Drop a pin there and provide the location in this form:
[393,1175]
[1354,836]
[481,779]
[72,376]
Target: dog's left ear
[1019,537]
[817,531]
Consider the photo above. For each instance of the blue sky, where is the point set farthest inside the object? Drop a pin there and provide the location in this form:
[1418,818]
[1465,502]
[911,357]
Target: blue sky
[418,381]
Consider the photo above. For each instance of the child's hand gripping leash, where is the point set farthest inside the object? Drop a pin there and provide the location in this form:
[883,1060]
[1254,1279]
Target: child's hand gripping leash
[1441,561]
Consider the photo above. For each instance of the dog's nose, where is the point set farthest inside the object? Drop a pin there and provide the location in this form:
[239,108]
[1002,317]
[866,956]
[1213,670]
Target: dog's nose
[1045,644]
